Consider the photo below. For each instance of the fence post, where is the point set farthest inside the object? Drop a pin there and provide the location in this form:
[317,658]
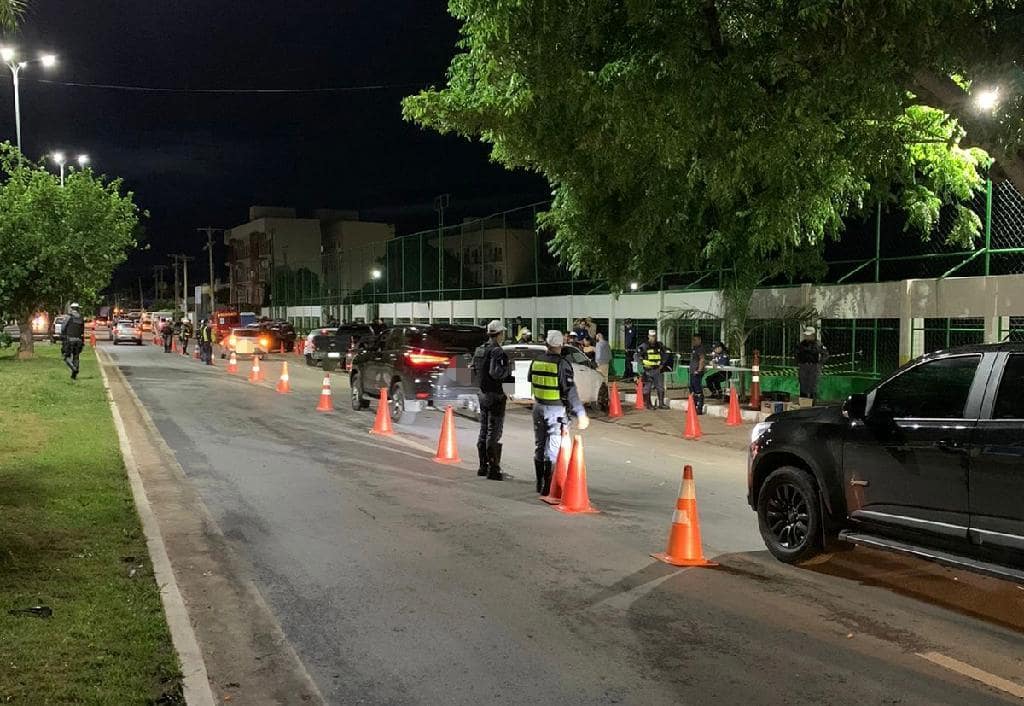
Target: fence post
[988,226]
[878,242]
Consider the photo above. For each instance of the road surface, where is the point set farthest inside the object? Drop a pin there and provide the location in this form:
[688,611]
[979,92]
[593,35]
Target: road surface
[402,581]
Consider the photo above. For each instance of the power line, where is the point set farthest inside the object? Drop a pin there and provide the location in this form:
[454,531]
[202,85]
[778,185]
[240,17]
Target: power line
[225,91]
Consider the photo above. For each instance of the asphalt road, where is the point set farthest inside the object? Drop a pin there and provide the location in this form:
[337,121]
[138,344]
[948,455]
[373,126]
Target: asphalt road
[399,580]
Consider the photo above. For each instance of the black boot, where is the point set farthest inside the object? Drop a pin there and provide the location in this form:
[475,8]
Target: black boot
[546,490]
[481,449]
[661,400]
[494,471]
[647,401]
[538,466]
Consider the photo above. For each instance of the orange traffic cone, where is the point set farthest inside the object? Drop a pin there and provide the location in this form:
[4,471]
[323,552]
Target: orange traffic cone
[174,344]
[282,384]
[554,495]
[575,498]
[325,404]
[282,347]
[692,422]
[92,339]
[447,447]
[255,374]
[382,424]
[735,418]
[614,405]
[684,546]
[640,394]
[232,364]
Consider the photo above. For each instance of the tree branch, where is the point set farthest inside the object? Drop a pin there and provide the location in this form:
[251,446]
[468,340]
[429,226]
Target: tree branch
[942,92]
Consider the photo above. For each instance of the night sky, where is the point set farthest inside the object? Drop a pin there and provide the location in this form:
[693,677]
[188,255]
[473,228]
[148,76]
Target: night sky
[196,159]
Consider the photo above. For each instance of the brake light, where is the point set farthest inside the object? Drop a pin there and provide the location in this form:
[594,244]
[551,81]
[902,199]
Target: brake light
[422,395]
[419,358]
[265,342]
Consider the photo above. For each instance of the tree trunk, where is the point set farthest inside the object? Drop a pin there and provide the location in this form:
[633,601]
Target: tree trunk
[26,345]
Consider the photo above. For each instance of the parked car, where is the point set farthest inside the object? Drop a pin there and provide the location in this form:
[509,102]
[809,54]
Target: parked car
[127,331]
[339,347]
[58,327]
[250,340]
[420,365]
[307,348]
[929,462]
[278,331]
[590,384]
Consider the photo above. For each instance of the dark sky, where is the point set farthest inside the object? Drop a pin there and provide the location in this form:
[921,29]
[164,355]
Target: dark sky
[198,159]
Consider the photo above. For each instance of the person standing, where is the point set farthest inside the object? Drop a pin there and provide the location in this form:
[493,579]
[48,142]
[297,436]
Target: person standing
[206,342]
[602,356]
[185,334]
[167,332]
[651,357]
[810,357]
[629,340]
[719,359]
[698,362]
[554,398]
[491,365]
[73,334]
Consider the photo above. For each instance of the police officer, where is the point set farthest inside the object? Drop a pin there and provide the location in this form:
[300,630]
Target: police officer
[554,397]
[652,356]
[810,357]
[698,361]
[73,334]
[167,331]
[206,342]
[490,363]
[629,338]
[185,334]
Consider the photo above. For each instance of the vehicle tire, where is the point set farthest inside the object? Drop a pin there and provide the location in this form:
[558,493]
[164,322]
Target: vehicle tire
[602,397]
[138,343]
[789,515]
[358,401]
[330,365]
[396,401]
[309,361]
[115,341]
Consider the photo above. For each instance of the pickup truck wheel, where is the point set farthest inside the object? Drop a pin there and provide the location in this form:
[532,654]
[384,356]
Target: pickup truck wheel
[789,515]
[358,402]
[330,365]
[309,361]
[396,399]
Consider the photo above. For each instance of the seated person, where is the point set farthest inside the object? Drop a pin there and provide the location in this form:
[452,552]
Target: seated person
[719,358]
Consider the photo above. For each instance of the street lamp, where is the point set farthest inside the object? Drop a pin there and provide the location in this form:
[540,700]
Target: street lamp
[83,160]
[9,56]
[375,274]
[987,100]
[633,286]
[59,158]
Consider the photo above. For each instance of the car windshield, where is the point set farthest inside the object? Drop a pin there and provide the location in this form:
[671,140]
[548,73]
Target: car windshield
[246,332]
[126,324]
[447,339]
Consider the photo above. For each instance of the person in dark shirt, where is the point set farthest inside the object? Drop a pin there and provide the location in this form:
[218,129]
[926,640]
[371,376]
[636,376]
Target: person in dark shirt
[719,358]
[73,334]
[629,340]
[698,361]
[491,365]
[810,358]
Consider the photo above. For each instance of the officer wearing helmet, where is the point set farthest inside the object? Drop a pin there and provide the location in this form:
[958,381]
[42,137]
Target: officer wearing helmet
[491,367]
[554,398]
[73,334]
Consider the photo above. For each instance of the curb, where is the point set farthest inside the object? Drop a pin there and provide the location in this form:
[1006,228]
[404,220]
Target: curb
[195,682]
[717,410]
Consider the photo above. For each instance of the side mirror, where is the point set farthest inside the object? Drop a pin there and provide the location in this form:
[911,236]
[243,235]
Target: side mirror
[855,406]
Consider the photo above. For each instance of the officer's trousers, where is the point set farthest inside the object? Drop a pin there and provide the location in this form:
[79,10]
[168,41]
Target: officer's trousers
[548,420]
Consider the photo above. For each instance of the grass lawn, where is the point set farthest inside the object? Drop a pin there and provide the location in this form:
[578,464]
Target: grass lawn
[70,540]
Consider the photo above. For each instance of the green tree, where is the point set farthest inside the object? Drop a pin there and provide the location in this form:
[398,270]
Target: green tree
[733,133]
[11,12]
[57,243]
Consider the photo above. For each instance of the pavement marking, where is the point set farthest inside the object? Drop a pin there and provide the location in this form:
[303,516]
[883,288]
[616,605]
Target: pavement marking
[964,669]
[624,599]
[620,443]
[195,682]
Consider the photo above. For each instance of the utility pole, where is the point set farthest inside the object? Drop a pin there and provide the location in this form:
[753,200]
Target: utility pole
[209,254]
[440,204]
[142,302]
[158,280]
[184,260]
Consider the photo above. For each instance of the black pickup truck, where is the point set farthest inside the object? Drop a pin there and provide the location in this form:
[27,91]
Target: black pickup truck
[930,462]
[337,348]
[420,365]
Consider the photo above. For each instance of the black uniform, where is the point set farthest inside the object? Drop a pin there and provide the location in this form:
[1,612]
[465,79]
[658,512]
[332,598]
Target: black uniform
[810,356]
[491,366]
[167,331]
[73,334]
[696,369]
[184,336]
[629,334]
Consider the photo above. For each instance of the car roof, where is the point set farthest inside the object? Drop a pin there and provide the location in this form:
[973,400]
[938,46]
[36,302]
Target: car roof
[1004,347]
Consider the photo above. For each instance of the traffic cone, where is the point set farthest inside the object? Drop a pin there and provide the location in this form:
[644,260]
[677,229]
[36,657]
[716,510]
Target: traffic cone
[735,418]
[447,448]
[325,404]
[232,364]
[640,394]
[282,384]
[575,498]
[382,424]
[614,405]
[92,339]
[554,495]
[255,374]
[282,347]
[684,545]
[692,422]
[174,344]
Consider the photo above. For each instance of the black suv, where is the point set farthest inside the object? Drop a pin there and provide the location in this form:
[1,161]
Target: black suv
[339,347]
[418,364]
[279,331]
[929,462]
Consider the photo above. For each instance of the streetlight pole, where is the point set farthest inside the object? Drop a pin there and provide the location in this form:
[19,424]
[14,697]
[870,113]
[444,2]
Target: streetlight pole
[9,56]
[375,275]
[60,159]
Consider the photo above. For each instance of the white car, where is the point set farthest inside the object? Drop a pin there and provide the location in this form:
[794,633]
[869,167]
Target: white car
[126,331]
[590,384]
[247,341]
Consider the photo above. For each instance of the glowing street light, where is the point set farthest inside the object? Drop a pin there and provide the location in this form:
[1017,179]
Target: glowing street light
[987,100]
[633,286]
[9,55]
[375,274]
[83,160]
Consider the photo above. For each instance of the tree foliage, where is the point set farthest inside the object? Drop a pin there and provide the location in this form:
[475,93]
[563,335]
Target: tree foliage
[734,133]
[58,243]
[11,12]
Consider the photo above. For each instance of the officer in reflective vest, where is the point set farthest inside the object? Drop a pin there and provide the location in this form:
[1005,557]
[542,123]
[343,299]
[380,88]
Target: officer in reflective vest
[652,357]
[554,397]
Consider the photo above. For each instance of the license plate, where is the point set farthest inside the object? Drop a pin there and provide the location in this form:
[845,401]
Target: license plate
[334,355]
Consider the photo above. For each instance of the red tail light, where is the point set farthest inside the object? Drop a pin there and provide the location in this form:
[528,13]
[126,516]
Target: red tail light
[421,359]
[422,395]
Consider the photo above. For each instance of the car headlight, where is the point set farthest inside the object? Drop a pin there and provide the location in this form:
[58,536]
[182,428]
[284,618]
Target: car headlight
[759,430]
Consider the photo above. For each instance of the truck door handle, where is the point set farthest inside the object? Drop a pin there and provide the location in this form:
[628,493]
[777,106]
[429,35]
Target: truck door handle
[950,446]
